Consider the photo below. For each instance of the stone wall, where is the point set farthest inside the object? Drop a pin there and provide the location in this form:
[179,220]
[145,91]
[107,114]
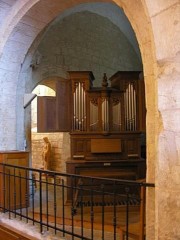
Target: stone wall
[57,162]
[156,25]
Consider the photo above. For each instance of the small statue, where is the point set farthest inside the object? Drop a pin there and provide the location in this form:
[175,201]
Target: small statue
[46,153]
[104,81]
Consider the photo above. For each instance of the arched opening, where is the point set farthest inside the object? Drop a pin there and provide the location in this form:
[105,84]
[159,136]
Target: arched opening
[60,146]
[148,72]
[103,47]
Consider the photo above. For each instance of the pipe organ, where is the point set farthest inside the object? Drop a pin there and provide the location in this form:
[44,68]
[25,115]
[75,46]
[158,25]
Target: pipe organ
[107,125]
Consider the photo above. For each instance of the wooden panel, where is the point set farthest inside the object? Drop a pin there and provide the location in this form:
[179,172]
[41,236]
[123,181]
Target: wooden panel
[41,112]
[105,145]
[51,114]
[120,78]
[78,149]
[141,105]
[8,232]
[117,146]
[80,146]
[128,169]
[63,105]
[81,76]
[109,172]
[46,114]
[133,148]
[6,235]
[18,159]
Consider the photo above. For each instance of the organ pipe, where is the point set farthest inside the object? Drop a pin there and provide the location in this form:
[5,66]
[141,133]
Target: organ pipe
[80,111]
[79,108]
[105,114]
[117,114]
[94,115]
[134,95]
[84,101]
[130,107]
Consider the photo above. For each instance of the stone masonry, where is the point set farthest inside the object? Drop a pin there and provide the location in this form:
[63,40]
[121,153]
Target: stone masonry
[156,27]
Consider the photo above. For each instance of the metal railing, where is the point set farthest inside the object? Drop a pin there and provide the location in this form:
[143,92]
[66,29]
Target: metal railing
[73,206]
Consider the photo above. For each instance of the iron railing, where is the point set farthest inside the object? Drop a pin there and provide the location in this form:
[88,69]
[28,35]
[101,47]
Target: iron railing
[73,206]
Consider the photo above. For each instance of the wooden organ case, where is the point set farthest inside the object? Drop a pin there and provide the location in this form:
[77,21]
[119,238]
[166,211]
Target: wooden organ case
[107,126]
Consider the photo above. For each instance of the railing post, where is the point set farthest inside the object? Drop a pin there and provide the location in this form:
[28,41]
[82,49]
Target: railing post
[4,188]
[92,210]
[27,193]
[127,212]
[72,205]
[33,179]
[82,209]
[142,212]
[63,208]
[114,210]
[20,193]
[102,190]
[55,205]
[40,200]
[9,193]
[14,192]
[47,203]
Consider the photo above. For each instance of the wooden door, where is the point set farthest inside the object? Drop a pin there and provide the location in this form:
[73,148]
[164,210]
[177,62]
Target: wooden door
[46,114]
[53,113]
[63,105]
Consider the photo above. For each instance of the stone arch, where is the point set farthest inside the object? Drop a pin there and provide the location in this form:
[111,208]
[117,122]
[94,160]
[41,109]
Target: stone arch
[158,64]
[26,11]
